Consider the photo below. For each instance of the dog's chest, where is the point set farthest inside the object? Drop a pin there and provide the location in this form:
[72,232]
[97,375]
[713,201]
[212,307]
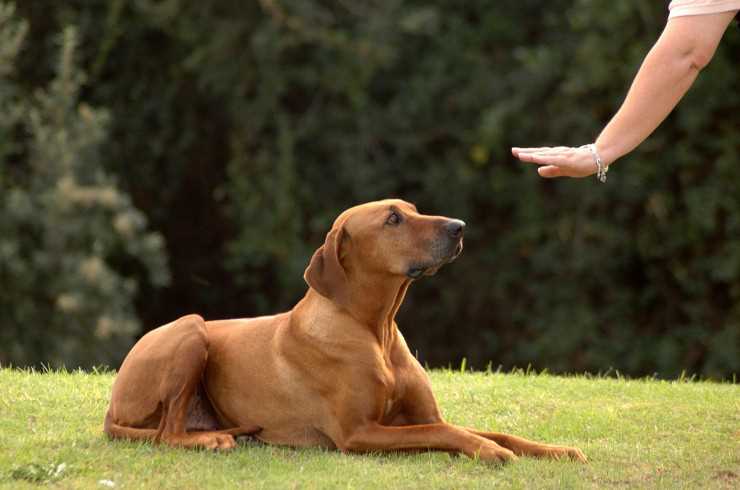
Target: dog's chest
[393,389]
[389,402]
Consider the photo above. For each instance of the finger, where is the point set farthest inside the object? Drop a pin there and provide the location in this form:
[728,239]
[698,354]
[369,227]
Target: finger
[546,156]
[550,171]
[540,159]
[517,151]
[530,158]
[547,149]
[527,157]
[560,152]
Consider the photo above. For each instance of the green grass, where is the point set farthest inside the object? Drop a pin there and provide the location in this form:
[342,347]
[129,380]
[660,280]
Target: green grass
[636,433]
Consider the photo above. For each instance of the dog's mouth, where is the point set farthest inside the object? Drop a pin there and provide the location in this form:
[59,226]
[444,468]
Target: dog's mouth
[457,252]
[418,270]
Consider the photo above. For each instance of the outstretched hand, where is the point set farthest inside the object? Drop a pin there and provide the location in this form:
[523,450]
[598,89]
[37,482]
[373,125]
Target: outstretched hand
[559,161]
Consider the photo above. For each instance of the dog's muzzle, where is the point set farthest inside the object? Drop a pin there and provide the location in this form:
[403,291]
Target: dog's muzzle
[453,230]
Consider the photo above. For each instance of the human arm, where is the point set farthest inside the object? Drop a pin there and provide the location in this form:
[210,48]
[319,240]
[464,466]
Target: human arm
[685,47]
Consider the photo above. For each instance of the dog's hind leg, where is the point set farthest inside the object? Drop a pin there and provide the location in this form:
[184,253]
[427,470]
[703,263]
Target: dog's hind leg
[123,432]
[156,383]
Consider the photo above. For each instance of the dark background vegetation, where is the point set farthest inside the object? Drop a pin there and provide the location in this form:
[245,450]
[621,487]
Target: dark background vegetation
[165,157]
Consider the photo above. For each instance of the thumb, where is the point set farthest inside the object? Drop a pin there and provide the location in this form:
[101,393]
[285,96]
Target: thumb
[550,171]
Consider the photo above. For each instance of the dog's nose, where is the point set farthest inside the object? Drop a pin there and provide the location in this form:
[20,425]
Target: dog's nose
[455,228]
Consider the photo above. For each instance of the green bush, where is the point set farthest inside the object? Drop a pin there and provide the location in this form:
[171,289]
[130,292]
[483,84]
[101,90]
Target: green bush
[66,227]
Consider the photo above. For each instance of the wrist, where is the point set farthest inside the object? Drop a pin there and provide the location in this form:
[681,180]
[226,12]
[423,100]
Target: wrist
[609,154]
[601,167]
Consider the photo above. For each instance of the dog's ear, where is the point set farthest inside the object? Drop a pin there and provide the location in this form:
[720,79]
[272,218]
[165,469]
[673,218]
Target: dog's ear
[325,272]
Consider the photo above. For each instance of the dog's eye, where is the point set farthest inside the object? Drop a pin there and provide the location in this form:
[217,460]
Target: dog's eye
[393,219]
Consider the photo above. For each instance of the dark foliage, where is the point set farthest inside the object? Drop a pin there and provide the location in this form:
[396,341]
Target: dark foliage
[242,128]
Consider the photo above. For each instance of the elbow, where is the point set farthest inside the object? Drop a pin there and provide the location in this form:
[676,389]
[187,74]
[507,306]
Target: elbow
[698,56]
[700,59]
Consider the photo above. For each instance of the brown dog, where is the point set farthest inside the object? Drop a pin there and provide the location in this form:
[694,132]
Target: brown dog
[333,372]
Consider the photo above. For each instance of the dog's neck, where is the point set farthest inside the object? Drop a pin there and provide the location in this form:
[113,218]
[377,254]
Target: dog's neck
[374,302]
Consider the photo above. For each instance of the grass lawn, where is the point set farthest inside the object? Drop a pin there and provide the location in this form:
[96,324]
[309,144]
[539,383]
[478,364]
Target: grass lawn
[636,433]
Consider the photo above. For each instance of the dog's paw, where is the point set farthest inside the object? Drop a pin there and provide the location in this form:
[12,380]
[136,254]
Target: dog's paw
[225,441]
[561,452]
[496,454]
[217,442]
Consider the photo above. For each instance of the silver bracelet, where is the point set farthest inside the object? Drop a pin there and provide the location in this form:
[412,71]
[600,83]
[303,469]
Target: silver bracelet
[601,169]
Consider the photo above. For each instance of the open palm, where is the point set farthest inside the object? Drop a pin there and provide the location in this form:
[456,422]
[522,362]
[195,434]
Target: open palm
[559,161]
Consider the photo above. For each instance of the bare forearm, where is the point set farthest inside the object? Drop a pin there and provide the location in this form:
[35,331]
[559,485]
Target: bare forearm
[667,73]
[670,68]
[659,85]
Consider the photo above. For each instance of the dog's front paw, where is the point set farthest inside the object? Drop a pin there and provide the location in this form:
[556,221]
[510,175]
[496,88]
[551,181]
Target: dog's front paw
[495,454]
[560,452]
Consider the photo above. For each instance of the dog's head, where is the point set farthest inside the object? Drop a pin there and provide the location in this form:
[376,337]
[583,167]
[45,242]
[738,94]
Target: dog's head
[388,238]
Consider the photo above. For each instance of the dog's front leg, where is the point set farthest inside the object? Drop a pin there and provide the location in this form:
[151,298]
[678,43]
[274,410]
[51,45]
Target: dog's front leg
[440,436]
[524,447]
